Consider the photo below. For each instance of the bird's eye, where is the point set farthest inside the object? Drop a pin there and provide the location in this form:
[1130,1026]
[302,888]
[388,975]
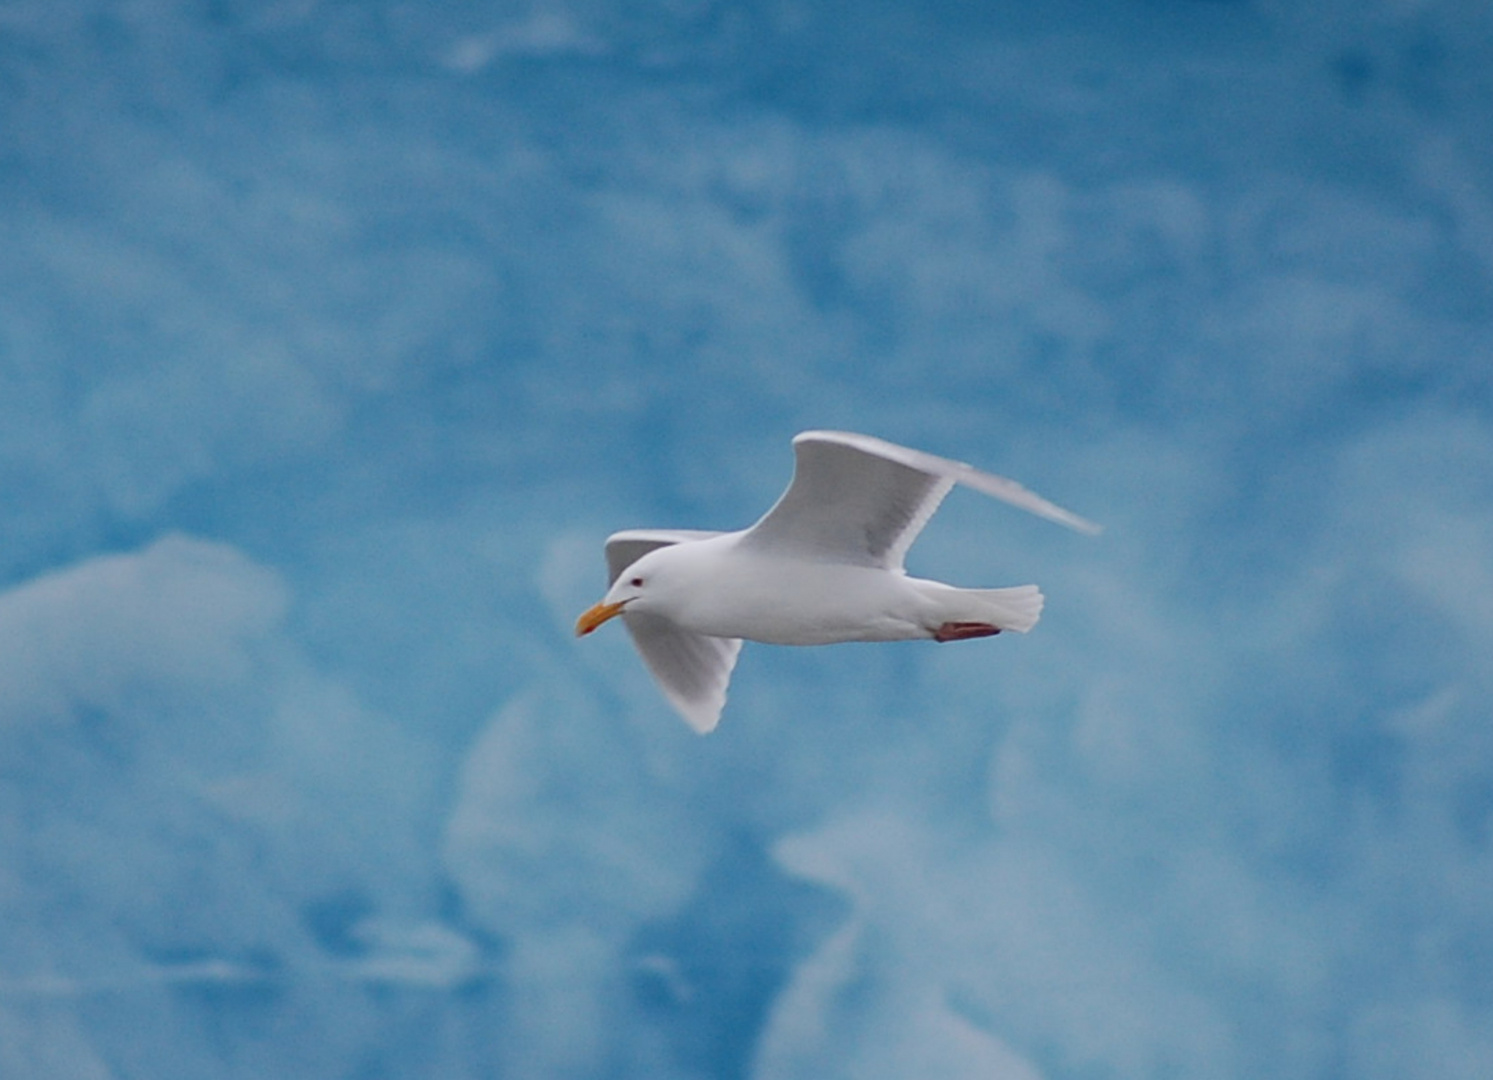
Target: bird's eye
[636,583]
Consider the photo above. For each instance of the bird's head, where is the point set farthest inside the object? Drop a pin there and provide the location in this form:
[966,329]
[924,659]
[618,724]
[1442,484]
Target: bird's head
[644,587]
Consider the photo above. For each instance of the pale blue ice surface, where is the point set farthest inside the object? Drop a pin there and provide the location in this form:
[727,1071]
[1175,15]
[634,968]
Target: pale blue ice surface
[335,337]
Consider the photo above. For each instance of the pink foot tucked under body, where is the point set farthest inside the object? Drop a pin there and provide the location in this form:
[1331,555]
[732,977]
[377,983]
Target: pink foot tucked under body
[961,631]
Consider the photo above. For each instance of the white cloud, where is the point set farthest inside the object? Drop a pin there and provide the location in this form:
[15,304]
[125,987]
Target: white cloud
[184,792]
[1004,942]
[553,809]
[183,613]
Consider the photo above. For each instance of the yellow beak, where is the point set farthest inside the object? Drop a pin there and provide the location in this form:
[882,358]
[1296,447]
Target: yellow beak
[595,615]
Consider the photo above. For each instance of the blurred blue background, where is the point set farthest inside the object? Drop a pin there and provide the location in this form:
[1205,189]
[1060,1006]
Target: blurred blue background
[335,337]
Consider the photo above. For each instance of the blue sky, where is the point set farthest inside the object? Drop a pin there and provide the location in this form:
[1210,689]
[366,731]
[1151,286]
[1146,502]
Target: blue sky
[334,339]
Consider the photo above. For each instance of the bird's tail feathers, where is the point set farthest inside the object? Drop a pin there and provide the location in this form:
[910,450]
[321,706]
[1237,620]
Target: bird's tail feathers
[1016,608]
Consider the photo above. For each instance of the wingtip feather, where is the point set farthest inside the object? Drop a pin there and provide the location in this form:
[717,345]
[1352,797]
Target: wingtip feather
[1000,487]
[701,724]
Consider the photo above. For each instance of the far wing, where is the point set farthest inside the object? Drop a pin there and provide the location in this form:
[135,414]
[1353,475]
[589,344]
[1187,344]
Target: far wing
[859,499]
[692,670]
[627,547]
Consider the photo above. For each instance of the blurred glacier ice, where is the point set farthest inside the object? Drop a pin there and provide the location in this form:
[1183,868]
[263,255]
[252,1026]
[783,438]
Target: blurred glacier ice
[335,338]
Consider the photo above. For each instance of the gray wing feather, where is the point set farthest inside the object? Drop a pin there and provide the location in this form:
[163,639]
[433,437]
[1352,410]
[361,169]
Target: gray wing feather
[846,504]
[1000,487]
[859,499]
[693,670]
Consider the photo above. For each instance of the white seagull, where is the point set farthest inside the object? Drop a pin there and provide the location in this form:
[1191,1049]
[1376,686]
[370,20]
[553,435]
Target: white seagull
[824,565]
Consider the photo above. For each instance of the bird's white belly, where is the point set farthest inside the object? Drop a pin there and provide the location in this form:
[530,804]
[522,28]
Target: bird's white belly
[785,602]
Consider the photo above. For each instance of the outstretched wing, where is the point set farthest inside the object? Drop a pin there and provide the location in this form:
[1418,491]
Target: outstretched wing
[693,670]
[862,500]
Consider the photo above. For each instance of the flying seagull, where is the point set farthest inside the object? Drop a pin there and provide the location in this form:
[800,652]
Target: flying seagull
[824,565]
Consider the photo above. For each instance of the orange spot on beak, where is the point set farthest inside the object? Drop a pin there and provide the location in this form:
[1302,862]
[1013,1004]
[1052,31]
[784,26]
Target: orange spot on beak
[595,615]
